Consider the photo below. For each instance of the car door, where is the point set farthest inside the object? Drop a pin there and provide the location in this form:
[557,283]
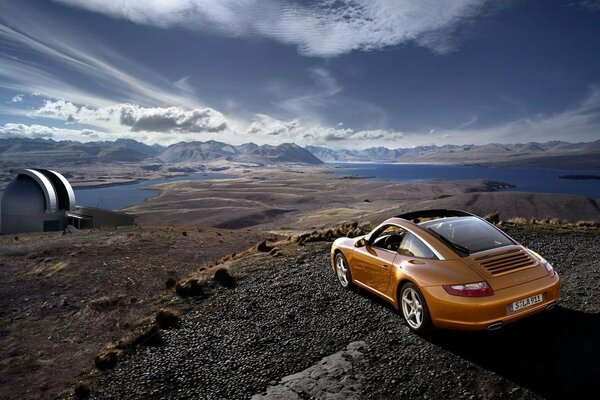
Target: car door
[373,262]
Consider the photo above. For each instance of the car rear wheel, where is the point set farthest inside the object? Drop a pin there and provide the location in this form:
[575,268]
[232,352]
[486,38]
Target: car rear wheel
[342,270]
[414,309]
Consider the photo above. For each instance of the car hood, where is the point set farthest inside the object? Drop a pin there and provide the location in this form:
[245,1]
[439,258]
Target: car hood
[506,266]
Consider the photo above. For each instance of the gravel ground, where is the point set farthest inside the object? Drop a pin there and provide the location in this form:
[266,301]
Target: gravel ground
[289,314]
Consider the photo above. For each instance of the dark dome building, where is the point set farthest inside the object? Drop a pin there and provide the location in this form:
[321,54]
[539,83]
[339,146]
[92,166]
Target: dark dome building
[42,200]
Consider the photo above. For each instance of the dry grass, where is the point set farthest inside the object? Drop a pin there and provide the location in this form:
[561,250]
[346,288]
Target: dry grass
[556,223]
[145,333]
[493,218]
[351,229]
[588,224]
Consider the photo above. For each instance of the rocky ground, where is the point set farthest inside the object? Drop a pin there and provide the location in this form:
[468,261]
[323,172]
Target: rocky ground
[63,297]
[287,330]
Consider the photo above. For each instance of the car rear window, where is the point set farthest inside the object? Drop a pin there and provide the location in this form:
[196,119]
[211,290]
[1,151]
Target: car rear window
[471,233]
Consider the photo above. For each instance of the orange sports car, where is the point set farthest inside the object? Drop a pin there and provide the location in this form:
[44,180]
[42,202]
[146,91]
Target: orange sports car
[447,269]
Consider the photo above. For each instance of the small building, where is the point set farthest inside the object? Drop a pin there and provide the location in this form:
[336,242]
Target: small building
[42,200]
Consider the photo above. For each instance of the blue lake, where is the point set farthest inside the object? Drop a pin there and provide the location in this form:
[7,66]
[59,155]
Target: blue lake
[121,196]
[538,180]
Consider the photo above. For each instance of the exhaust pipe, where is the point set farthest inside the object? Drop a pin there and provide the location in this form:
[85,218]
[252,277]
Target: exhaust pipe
[550,306]
[495,326]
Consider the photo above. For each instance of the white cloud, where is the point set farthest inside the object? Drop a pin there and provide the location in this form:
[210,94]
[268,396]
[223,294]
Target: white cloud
[172,124]
[136,118]
[268,126]
[323,28]
[172,119]
[265,128]
[46,132]
[17,98]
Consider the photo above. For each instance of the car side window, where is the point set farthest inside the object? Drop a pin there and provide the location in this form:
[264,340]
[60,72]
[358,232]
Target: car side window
[388,237]
[412,246]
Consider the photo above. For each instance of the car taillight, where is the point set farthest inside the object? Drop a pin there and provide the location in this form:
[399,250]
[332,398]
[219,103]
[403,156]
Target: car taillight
[549,268]
[545,263]
[477,289]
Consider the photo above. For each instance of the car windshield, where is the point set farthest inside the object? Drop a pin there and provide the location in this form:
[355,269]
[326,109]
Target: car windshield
[468,233]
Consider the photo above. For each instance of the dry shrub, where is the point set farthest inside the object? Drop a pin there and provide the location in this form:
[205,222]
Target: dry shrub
[168,318]
[263,247]
[189,288]
[224,277]
[170,282]
[144,334]
[107,358]
[351,230]
[106,303]
[82,391]
[149,336]
[492,218]
[588,224]
[518,221]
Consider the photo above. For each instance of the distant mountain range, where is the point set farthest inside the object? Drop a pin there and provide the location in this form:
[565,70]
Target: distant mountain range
[58,152]
[127,150]
[249,152]
[550,154]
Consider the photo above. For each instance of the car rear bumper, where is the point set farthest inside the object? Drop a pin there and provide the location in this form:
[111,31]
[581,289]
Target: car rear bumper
[476,313]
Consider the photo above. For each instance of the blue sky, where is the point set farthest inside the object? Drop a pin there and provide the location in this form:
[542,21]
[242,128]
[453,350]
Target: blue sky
[338,73]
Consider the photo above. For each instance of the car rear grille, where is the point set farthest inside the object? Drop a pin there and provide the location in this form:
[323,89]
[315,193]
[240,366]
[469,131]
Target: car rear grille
[504,263]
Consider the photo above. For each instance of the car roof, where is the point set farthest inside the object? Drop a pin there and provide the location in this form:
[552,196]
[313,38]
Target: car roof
[420,231]
[433,214]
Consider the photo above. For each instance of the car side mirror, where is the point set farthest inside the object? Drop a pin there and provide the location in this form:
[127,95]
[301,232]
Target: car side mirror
[360,243]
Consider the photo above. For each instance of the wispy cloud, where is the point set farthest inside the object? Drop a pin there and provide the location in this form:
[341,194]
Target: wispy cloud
[310,105]
[579,122]
[593,5]
[17,98]
[86,57]
[323,28]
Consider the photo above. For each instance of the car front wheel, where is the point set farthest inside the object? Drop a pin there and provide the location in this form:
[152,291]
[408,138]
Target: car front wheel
[342,271]
[414,309]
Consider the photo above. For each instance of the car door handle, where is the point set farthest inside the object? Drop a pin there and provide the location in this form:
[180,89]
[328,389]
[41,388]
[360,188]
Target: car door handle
[385,266]
[416,262]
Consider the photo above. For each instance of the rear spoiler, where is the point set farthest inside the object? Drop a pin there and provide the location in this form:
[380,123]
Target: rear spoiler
[435,213]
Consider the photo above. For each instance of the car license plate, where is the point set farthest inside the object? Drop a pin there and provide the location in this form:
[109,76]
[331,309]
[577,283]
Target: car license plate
[524,303]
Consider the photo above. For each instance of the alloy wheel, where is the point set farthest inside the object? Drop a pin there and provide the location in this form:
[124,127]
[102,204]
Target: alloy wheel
[412,308]
[342,271]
